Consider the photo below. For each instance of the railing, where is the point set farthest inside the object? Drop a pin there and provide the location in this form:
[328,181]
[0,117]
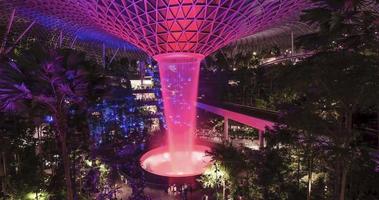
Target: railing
[279,59]
[259,120]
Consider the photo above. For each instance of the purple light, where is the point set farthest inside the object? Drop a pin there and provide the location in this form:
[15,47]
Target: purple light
[163,26]
[49,119]
[179,74]
[179,34]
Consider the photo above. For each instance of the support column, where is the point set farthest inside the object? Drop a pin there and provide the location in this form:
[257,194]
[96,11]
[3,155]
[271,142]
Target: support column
[10,22]
[292,44]
[60,39]
[226,129]
[3,172]
[73,42]
[261,139]
[113,57]
[103,57]
[293,59]
[142,68]
[20,37]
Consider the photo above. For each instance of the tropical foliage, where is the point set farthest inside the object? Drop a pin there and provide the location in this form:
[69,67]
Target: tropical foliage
[53,82]
[321,150]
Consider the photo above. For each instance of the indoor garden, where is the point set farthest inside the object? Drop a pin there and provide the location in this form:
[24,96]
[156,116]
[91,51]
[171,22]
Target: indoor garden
[189,100]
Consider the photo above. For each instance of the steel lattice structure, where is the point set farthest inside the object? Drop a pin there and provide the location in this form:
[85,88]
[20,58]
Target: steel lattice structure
[164,26]
[50,36]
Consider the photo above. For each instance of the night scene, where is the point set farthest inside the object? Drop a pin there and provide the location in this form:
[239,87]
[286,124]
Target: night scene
[189,99]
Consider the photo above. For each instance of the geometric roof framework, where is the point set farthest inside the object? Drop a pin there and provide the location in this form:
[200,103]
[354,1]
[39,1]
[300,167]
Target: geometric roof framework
[279,36]
[164,26]
[54,37]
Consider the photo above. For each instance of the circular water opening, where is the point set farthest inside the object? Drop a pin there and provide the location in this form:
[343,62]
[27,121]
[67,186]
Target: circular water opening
[162,162]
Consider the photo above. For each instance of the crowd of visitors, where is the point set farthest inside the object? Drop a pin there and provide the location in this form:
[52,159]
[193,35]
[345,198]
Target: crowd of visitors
[143,87]
[183,191]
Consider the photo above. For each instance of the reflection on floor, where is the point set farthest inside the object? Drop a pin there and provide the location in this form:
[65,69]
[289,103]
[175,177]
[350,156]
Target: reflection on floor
[157,194]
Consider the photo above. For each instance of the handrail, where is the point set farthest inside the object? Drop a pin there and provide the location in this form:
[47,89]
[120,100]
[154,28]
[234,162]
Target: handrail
[255,122]
[284,58]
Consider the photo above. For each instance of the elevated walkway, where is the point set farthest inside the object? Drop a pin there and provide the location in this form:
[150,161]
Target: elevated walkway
[254,117]
[283,58]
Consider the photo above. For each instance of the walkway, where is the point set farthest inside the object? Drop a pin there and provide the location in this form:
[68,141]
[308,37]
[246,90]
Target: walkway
[156,194]
[250,116]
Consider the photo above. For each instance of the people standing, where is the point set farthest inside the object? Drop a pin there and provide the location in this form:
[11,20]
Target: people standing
[174,189]
[169,190]
[185,191]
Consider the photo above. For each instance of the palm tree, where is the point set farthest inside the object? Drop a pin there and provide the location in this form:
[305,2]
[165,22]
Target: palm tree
[51,80]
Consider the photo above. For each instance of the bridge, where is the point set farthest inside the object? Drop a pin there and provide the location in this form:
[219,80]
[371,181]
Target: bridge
[254,117]
[283,58]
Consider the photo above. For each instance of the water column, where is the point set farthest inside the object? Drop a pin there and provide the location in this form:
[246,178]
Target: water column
[179,73]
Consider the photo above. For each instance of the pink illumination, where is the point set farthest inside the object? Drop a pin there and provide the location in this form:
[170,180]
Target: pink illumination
[254,122]
[178,33]
[179,74]
[164,26]
[161,162]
